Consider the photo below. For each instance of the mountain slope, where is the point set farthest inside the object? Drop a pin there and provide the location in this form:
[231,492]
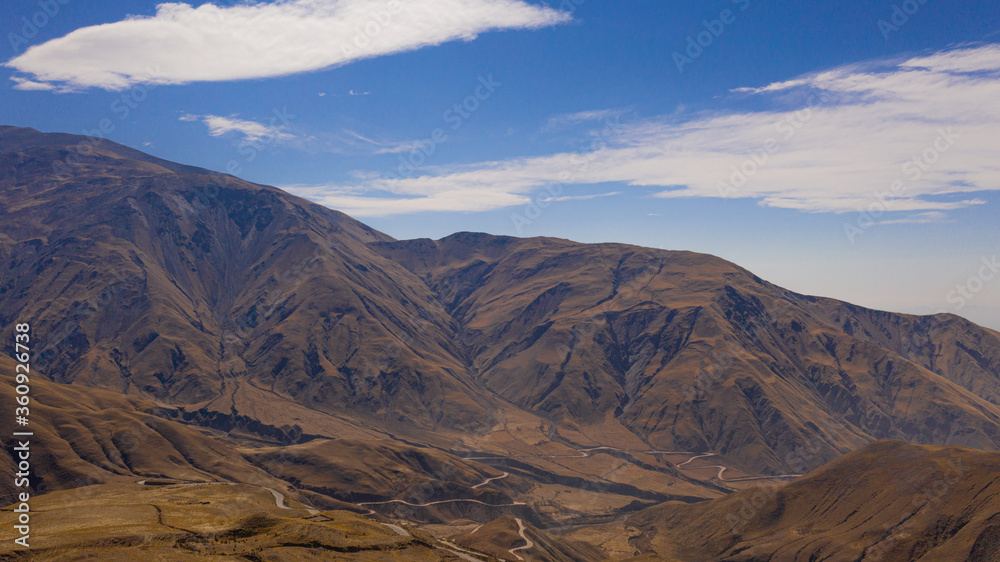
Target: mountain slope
[694,353]
[84,436]
[889,501]
[241,302]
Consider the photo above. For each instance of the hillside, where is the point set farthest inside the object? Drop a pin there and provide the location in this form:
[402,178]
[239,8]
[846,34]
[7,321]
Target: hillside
[208,522]
[246,305]
[690,352]
[889,501]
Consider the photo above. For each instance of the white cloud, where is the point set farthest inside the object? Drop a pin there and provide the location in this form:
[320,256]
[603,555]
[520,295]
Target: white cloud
[183,44]
[251,131]
[845,138]
[920,218]
[456,200]
[21,83]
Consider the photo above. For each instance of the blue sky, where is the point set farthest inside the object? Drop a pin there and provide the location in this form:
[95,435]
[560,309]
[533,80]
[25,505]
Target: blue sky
[846,149]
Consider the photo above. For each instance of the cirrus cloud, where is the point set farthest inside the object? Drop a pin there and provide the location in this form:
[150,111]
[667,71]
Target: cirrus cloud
[259,40]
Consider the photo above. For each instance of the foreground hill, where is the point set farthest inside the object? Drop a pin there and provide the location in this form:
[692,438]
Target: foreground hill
[206,522]
[889,501]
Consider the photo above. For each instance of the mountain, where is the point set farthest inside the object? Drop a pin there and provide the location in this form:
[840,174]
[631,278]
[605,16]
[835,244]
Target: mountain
[690,352]
[255,337]
[247,305]
[889,501]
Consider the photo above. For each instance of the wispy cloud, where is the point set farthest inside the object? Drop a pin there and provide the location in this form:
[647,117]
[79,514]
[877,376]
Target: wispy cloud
[356,140]
[558,122]
[250,131]
[875,126]
[21,83]
[260,40]
[580,197]
[920,218]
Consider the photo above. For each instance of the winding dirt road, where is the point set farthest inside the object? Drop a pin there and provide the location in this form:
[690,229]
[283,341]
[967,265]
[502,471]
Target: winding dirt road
[722,469]
[488,480]
[483,483]
[528,544]
[279,498]
[442,501]
[583,453]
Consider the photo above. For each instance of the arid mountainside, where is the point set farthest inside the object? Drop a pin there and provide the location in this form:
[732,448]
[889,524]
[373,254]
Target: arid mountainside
[251,307]
[890,501]
[85,436]
[691,352]
[193,330]
[245,307]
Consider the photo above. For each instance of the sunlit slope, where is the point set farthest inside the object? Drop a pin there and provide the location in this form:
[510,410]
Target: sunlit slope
[209,522]
[253,308]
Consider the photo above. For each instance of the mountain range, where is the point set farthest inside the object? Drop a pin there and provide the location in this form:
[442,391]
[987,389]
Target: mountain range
[190,326]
